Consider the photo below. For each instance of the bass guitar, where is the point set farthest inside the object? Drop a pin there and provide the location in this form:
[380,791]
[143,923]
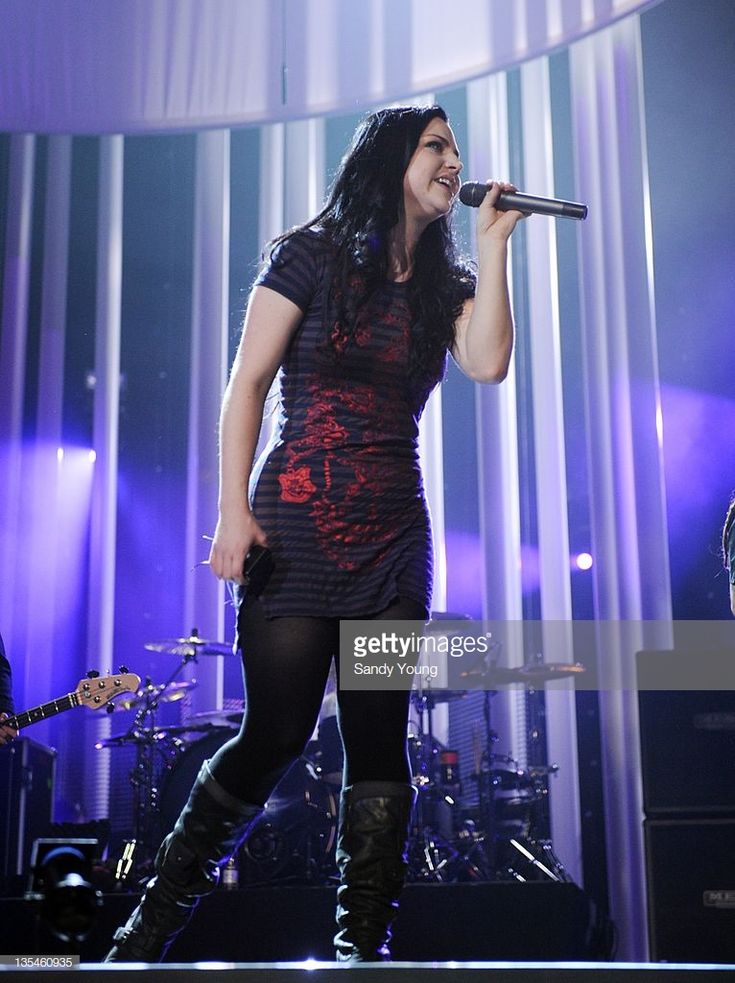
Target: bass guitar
[93,692]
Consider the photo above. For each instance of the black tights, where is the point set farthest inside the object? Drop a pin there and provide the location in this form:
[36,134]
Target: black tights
[286,664]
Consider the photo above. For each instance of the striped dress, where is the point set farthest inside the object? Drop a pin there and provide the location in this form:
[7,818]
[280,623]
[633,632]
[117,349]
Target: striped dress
[338,490]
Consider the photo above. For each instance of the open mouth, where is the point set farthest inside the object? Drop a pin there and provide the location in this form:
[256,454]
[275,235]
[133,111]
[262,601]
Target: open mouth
[451,186]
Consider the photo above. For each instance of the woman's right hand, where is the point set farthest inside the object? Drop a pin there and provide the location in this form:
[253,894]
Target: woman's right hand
[237,530]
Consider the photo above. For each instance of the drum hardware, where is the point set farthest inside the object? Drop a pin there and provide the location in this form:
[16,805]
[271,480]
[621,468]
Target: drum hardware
[156,746]
[443,848]
[533,860]
[189,648]
[296,837]
[529,675]
[160,694]
[512,800]
[433,853]
[160,737]
[326,750]
[294,840]
[547,672]
[153,746]
[502,841]
[125,865]
[471,844]
[432,858]
[214,718]
[493,675]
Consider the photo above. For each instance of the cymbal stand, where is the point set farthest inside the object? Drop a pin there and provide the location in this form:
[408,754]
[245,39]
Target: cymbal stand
[487,802]
[143,775]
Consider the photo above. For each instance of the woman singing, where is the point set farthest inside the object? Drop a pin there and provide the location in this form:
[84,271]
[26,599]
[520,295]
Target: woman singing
[357,311]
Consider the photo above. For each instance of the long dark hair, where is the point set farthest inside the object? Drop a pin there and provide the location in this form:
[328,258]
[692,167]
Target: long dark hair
[729,520]
[364,205]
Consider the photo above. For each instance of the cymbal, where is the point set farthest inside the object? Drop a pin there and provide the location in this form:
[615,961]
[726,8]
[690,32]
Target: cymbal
[193,645]
[530,675]
[214,718]
[494,675]
[122,740]
[161,694]
[545,672]
[437,695]
[180,730]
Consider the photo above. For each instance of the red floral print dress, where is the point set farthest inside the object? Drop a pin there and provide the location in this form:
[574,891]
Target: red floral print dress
[339,491]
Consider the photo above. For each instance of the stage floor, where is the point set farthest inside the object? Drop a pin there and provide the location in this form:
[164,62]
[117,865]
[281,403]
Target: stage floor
[522,933]
[318,972]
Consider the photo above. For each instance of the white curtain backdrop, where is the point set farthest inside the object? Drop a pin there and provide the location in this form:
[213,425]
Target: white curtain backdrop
[131,66]
[127,66]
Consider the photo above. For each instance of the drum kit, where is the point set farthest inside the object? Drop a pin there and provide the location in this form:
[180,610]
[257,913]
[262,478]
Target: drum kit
[499,837]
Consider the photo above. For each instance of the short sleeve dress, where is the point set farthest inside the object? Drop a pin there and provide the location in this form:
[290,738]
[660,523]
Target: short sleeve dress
[339,490]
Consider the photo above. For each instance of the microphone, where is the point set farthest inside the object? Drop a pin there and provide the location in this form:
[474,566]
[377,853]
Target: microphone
[473,193]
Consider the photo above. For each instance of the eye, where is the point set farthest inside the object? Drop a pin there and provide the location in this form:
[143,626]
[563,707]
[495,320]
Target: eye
[435,145]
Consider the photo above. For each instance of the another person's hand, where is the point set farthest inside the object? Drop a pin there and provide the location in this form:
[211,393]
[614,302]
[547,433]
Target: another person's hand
[6,733]
[237,530]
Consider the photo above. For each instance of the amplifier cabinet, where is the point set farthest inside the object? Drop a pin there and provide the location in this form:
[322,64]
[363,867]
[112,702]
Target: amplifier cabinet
[27,771]
[691,889]
[687,740]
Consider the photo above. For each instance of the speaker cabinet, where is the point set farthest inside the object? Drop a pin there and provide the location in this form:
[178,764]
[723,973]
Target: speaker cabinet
[26,797]
[687,740]
[691,889]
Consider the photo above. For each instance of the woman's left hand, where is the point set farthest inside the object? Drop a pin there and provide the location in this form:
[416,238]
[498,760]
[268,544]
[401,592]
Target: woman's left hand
[493,224]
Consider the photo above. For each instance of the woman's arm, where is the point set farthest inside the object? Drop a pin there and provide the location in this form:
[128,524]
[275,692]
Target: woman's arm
[484,331]
[270,323]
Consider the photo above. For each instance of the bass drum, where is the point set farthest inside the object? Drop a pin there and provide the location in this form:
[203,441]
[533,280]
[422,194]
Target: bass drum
[293,842]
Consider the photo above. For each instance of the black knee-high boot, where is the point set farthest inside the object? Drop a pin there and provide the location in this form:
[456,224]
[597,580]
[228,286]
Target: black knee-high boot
[211,826]
[371,856]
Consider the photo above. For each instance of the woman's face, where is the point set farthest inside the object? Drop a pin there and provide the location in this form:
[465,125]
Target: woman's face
[431,181]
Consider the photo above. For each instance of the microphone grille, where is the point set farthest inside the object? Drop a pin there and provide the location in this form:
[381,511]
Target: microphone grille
[472,193]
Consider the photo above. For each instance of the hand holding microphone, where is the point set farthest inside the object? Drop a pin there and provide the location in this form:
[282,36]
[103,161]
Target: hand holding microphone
[473,193]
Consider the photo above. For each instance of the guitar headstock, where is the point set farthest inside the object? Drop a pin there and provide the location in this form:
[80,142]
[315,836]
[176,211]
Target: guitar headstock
[98,691]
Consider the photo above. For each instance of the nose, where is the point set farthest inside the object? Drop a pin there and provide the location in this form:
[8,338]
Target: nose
[456,164]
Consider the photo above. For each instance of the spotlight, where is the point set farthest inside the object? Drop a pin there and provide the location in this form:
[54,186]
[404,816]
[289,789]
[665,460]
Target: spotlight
[60,883]
[583,561]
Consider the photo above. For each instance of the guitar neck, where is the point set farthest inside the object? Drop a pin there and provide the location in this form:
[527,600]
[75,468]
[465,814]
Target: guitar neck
[33,716]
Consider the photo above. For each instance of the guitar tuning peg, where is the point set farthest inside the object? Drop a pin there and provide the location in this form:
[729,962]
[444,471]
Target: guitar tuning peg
[123,669]
[92,674]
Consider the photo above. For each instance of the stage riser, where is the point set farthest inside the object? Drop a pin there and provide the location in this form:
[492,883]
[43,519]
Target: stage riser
[436,923]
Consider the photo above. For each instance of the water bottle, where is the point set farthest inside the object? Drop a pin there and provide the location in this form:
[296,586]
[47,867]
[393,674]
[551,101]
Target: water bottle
[230,875]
